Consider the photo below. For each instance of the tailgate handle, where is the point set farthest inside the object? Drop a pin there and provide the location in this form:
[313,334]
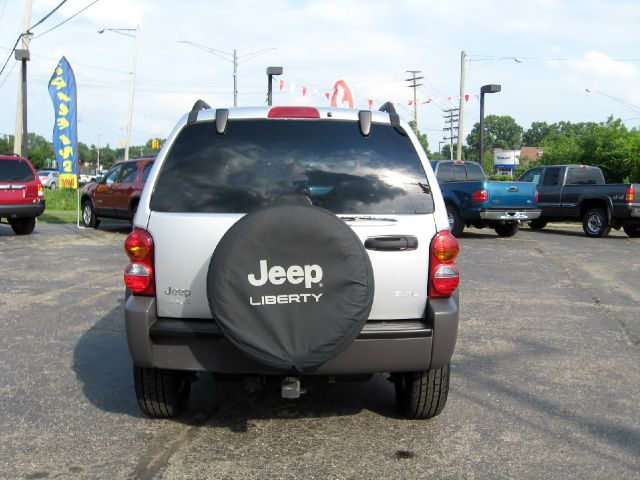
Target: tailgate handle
[513,188]
[389,243]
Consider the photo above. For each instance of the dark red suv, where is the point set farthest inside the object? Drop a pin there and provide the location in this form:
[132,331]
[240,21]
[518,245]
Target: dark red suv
[21,194]
[117,194]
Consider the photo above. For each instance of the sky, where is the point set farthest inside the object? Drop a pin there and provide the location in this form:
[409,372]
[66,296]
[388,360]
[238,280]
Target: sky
[544,54]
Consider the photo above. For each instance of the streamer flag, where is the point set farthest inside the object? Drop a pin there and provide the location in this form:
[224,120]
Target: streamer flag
[62,90]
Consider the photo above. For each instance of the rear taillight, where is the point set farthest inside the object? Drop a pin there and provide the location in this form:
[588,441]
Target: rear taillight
[294,112]
[480,196]
[138,276]
[40,190]
[443,274]
[537,195]
[630,197]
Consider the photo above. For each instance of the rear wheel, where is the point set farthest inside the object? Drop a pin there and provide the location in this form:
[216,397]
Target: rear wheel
[23,226]
[161,393]
[53,186]
[632,230]
[508,229]
[422,394]
[89,218]
[455,222]
[537,224]
[595,223]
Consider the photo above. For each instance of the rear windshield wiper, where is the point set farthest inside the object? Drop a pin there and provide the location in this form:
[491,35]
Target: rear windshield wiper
[356,218]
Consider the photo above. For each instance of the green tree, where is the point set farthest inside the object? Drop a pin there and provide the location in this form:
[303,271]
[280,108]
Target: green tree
[6,144]
[608,145]
[500,131]
[40,150]
[538,133]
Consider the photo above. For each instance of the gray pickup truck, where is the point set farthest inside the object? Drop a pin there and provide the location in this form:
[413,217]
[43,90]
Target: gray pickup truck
[574,193]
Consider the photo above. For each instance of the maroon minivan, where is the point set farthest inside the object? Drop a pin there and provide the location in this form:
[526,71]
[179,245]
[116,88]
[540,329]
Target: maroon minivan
[117,194]
[21,194]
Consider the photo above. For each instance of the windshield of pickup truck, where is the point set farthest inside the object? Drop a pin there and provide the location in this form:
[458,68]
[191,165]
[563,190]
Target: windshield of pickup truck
[260,162]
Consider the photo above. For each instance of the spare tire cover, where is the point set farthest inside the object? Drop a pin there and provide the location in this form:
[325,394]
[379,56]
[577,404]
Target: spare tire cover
[291,286]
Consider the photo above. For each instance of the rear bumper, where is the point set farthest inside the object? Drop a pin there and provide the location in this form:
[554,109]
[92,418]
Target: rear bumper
[199,345]
[510,214]
[22,210]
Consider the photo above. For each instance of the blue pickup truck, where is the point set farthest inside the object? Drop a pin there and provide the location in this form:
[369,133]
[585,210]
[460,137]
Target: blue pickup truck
[473,200]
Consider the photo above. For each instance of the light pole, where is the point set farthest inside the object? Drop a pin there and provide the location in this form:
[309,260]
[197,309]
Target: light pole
[229,57]
[271,72]
[492,88]
[125,32]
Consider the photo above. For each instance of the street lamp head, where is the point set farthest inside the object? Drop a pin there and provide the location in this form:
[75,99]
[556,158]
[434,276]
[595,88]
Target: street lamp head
[492,88]
[274,70]
[101,31]
[588,90]
[517,59]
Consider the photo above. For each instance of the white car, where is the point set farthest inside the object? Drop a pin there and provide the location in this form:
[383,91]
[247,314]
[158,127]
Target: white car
[291,242]
[49,178]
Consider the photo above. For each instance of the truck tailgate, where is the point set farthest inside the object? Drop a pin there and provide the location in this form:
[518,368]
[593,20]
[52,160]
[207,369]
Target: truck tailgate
[511,194]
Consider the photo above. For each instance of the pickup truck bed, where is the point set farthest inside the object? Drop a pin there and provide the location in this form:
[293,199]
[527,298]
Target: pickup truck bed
[578,193]
[473,200]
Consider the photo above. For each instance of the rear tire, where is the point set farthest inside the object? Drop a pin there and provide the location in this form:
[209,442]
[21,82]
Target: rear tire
[455,222]
[537,224]
[161,393]
[89,218]
[422,394]
[595,223]
[23,226]
[507,230]
[632,230]
[53,186]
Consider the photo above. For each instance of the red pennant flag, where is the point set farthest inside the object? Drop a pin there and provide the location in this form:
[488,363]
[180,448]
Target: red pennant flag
[304,91]
[370,104]
[328,95]
[449,98]
[410,102]
[428,100]
[466,98]
[281,84]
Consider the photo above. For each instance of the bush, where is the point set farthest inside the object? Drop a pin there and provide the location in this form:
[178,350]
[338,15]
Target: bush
[501,178]
[61,199]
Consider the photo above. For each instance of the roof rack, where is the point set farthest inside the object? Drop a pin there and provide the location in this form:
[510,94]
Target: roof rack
[391,110]
[193,114]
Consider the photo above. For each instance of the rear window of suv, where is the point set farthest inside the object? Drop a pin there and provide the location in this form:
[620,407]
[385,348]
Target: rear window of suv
[15,171]
[257,163]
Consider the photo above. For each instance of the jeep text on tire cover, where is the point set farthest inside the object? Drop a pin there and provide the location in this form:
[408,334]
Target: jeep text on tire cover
[311,241]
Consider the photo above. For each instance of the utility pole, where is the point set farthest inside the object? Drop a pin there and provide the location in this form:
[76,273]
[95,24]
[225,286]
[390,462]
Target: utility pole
[20,140]
[98,157]
[450,118]
[463,61]
[230,57]
[414,79]
[235,77]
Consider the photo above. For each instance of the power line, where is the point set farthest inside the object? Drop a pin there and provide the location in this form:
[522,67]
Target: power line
[47,15]
[65,21]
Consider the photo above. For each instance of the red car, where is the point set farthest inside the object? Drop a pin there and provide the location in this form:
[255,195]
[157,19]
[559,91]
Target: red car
[117,194]
[21,193]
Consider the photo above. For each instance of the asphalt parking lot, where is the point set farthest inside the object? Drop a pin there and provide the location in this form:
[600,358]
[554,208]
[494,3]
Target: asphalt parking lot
[545,377]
